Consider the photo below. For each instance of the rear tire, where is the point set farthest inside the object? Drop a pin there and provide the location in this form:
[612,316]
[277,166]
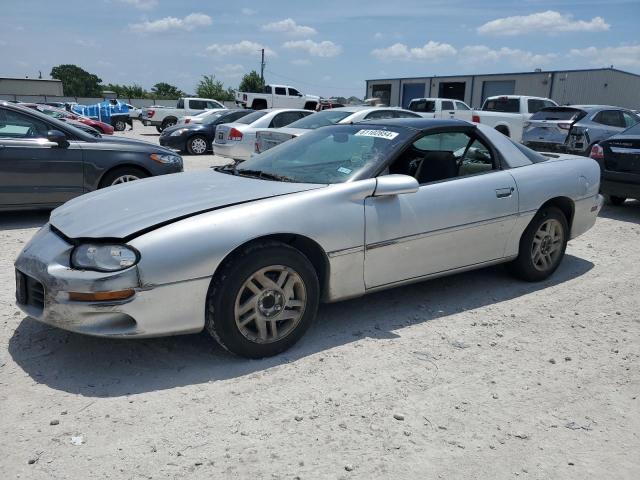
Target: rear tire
[159,129]
[542,246]
[197,145]
[503,130]
[168,122]
[262,300]
[119,125]
[122,175]
[615,201]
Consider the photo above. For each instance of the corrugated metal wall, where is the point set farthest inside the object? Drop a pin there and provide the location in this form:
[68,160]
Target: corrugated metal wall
[606,87]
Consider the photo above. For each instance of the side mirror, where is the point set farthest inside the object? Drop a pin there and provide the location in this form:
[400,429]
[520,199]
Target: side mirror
[56,136]
[388,185]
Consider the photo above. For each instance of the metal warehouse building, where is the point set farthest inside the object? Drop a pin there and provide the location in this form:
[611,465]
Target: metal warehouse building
[29,86]
[606,86]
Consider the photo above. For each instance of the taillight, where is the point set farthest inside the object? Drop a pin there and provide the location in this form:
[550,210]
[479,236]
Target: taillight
[597,152]
[475,118]
[244,97]
[235,135]
[257,149]
[187,120]
[151,113]
[564,126]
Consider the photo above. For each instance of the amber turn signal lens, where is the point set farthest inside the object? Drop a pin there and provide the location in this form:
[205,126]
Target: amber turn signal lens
[101,296]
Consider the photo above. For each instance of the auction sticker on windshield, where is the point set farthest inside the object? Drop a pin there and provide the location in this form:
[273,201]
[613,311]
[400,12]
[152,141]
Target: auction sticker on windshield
[377,134]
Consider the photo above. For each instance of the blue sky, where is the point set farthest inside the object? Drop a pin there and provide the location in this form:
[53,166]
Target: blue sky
[328,47]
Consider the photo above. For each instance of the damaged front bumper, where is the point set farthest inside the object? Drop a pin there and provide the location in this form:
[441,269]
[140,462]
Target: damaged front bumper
[45,279]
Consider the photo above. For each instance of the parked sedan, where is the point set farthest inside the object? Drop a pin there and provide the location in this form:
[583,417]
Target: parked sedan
[266,139]
[45,162]
[197,138]
[576,128]
[249,250]
[200,117]
[103,128]
[237,140]
[619,159]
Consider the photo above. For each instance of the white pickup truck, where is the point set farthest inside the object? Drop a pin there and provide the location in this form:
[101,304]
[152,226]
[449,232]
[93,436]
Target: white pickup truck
[507,113]
[163,118]
[441,108]
[277,96]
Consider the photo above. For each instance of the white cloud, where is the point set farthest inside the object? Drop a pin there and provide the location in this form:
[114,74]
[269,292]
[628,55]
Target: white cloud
[245,47]
[290,27]
[481,55]
[622,56]
[429,51]
[301,62]
[231,70]
[542,23]
[188,23]
[86,43]
[378,35]
[141,4]
[248,11]
[315,49]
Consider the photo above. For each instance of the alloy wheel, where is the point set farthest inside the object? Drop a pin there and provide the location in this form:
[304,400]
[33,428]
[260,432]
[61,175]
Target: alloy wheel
[270,304]
[198,146]
[124,179]
[547,244]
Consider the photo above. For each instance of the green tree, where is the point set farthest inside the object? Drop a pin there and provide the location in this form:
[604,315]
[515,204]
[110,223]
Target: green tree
[127,91]
[77,82]
[166,90]
[209,87]
[251,83]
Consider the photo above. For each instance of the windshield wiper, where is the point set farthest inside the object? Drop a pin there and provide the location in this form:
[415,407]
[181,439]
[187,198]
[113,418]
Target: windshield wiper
[264,175]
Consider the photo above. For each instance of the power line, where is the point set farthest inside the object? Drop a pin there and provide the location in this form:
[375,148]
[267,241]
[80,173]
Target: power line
[310,84]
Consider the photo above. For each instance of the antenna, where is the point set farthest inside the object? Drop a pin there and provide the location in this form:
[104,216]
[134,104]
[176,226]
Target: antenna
[262,68]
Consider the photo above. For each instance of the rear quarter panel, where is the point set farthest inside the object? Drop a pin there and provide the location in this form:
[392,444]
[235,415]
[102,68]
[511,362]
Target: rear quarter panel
[573,177]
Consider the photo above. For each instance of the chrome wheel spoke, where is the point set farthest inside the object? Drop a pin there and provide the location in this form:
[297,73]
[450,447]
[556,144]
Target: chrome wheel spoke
[547,244]
[270,304]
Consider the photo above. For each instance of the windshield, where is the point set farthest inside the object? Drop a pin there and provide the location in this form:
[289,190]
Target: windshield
[212,117]
[320,119]
[555,113]
[252,117]
[333,154]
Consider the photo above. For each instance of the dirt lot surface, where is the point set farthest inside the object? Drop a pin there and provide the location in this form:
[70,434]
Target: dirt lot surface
[471,376]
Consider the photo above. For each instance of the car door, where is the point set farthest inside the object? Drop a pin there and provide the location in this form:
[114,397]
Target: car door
[33,170]
[460,216]
[280,99]
[447,109]
[463,111]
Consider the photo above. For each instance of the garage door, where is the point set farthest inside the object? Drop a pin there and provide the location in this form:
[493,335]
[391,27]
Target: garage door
[411,91]
[498,87]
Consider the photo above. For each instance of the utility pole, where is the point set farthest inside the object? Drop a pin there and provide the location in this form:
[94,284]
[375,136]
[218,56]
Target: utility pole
[262,68]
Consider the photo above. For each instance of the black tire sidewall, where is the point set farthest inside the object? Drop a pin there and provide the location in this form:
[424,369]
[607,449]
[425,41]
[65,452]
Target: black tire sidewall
[615,200]
[109,177]
[220,318]
[117,123]
[523,266]
[191,139]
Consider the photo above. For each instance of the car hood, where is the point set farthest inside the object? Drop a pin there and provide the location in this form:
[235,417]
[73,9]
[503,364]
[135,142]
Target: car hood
[132,143]
[126,210]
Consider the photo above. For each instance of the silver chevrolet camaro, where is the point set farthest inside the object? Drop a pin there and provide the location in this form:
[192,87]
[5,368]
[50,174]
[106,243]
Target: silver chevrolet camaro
[248,252]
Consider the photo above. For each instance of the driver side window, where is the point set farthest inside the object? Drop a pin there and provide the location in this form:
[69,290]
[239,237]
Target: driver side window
[444,156]
[18,125]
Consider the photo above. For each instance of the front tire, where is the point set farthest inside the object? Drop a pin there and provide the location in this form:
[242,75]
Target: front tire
[119,125]
[615,201]
[262,300]
[122,175]
[542,246]
[197,145]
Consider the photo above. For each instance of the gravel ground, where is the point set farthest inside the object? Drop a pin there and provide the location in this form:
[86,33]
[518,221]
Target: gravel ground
[470,376]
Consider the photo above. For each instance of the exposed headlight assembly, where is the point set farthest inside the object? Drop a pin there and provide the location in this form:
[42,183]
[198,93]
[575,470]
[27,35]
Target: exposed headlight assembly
[103,257]
[166,158]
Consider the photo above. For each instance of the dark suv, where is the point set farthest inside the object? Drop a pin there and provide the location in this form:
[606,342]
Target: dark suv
[45,162]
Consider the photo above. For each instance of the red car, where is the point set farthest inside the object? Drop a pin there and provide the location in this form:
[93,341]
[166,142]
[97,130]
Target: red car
[102,127]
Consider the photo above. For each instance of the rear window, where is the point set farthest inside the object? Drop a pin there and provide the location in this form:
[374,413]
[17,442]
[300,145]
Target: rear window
[252,117]
[532,155]
[635,130]
[558,113]
[506,105]
[320,119]
[427,106]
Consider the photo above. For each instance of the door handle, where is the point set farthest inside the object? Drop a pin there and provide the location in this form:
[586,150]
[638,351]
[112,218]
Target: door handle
[504,192]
